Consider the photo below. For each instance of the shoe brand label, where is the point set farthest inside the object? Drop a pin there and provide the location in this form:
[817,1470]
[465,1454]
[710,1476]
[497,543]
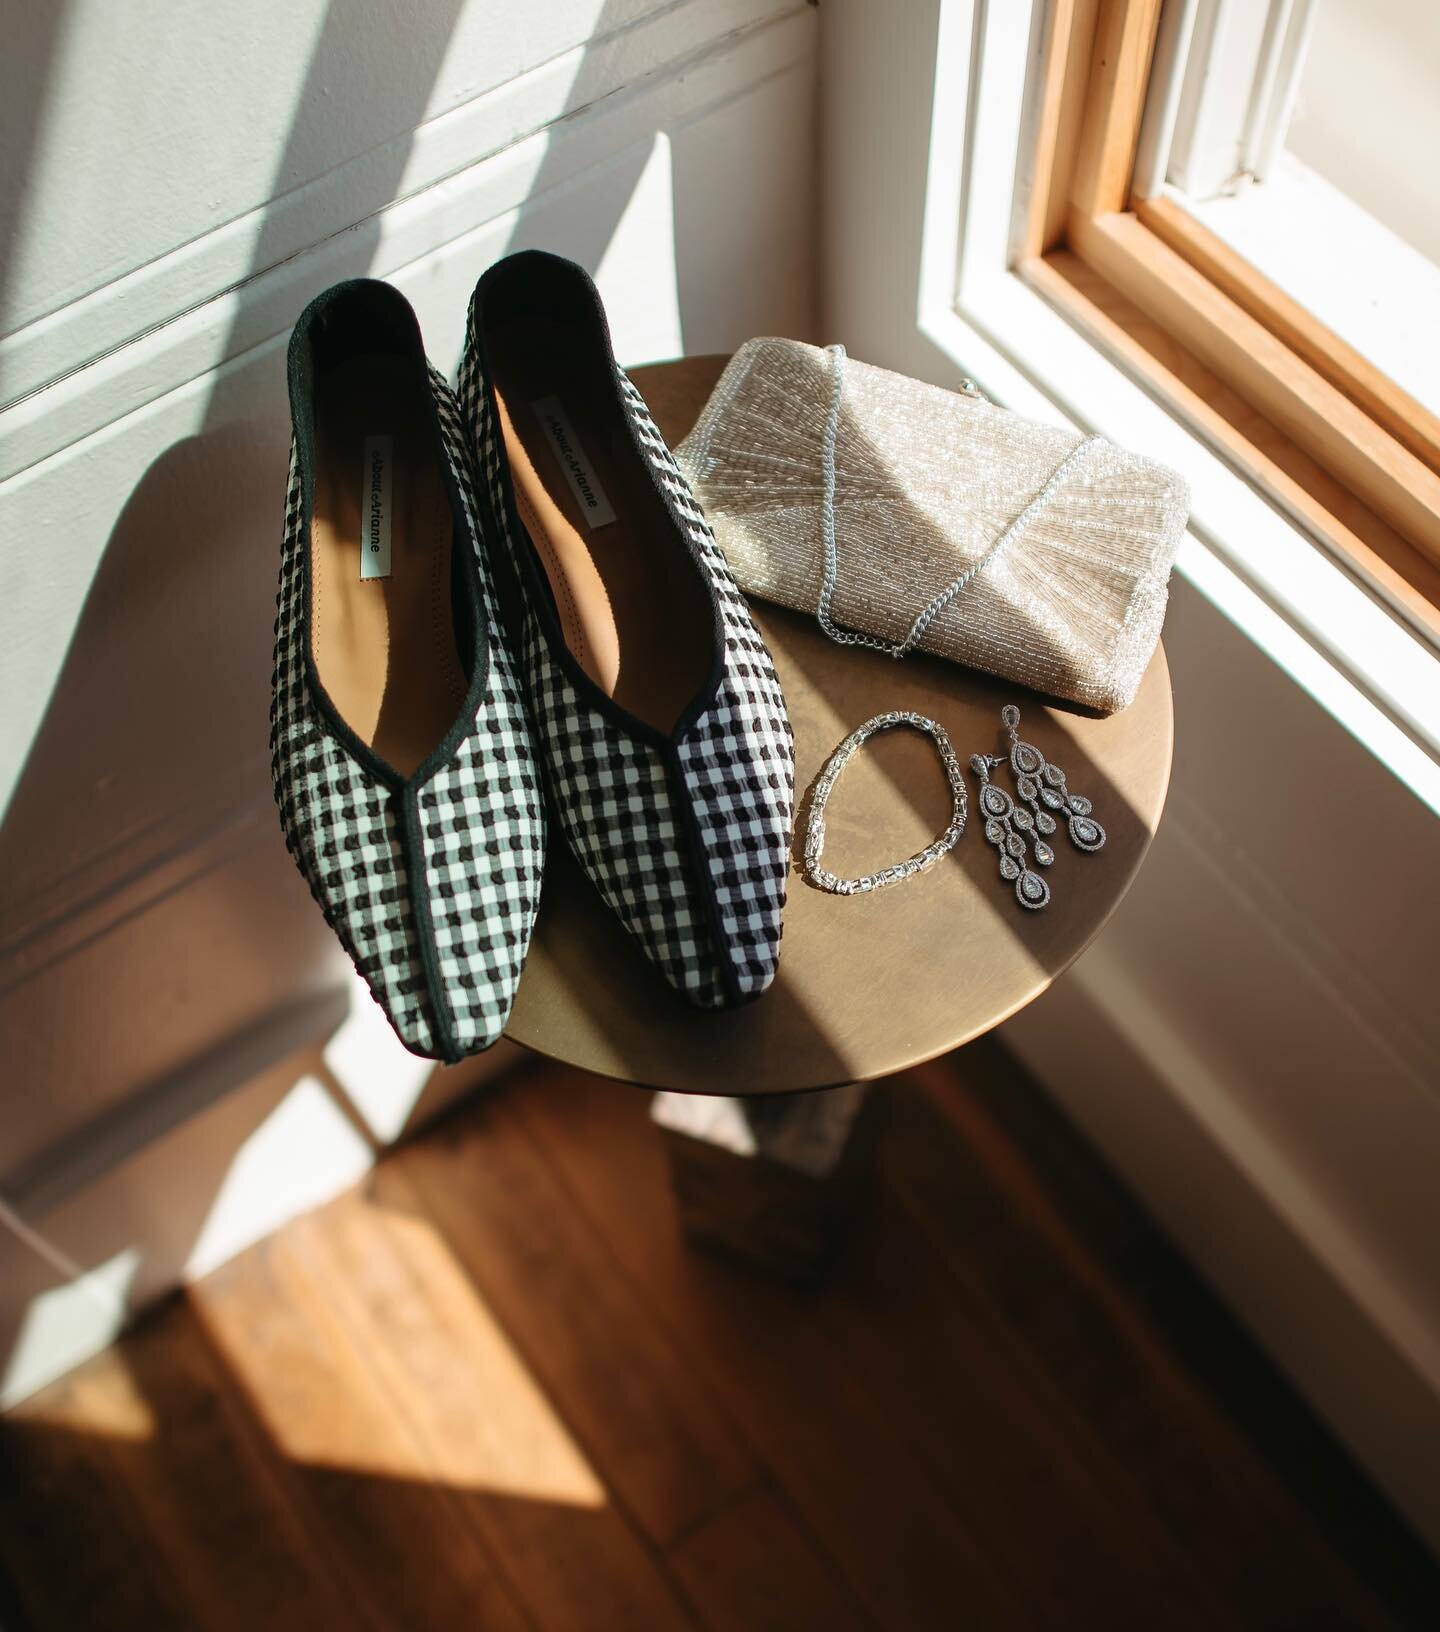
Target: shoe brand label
[375,507]
[579,472]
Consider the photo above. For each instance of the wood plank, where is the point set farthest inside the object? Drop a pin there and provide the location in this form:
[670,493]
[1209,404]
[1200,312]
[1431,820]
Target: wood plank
[751,1569]
[1322,421]
[73,1548]
[1092,1212]
[1240,434]
[451,1371]
[889,1533]
[1124,38]
[198,1482]
[1016,1456]
[366,1487]
[651,1427]
[1167,1430]
[1013,1406]
[1348,370]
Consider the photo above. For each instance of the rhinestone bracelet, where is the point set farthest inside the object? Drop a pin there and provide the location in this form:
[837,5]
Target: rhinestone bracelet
[822,877]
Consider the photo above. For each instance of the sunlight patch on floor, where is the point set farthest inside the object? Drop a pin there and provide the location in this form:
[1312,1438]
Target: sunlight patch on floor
[484,1419]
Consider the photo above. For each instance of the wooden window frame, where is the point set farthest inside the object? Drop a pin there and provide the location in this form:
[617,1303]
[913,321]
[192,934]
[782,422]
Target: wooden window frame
[1292,407]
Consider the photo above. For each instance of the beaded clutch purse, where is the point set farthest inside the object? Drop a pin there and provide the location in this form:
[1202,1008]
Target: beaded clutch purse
[909,517]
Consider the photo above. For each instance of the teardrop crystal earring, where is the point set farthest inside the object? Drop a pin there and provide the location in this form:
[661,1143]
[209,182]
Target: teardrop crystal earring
[1006,824]
[1038,783]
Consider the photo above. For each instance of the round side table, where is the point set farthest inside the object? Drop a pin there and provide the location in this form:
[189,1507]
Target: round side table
[868,985]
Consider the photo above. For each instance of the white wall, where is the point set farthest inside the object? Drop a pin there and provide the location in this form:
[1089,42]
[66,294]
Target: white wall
[176,1023]
[1254,1039]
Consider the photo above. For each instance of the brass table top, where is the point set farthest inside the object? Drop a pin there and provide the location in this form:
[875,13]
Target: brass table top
[871,984]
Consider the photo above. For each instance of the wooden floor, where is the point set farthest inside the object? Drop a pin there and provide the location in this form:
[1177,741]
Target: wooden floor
[496,1391]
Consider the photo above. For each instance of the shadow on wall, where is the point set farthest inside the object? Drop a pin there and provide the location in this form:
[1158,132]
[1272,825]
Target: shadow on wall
[149,904]
[152,914]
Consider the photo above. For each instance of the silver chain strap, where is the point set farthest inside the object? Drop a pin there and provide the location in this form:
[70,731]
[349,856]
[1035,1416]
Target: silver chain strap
[854,637]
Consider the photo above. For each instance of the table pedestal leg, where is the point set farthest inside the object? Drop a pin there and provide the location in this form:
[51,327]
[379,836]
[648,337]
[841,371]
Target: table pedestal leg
[772,1181]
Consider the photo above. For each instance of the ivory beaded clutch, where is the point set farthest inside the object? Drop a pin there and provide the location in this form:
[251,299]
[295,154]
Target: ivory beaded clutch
[926,482]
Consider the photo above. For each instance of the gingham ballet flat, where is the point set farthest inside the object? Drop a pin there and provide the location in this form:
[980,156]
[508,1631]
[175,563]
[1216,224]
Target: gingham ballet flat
[655,704]
[403,767]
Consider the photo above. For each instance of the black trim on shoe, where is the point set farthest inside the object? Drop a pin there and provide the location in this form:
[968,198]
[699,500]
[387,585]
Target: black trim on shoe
[412,846]
[695,856]
[535,585]
[402,327]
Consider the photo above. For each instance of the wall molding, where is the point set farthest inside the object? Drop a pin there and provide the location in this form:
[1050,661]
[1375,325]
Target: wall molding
[132,868]
[180,377]
[156,1109]
[112,352]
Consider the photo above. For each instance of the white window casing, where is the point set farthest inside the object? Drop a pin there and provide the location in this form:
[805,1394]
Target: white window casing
[1222,89]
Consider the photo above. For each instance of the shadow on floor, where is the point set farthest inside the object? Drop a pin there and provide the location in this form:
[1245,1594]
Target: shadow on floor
[495,1389]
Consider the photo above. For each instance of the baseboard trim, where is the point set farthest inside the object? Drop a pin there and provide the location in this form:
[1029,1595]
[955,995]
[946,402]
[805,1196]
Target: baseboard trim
[183,1186]
[154,330]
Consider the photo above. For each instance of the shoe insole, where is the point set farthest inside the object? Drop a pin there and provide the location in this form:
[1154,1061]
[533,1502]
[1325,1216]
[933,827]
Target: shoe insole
[634,612]
[384,645]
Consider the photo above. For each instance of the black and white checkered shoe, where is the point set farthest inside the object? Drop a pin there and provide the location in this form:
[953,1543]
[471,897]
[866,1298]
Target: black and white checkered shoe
[403,764]
[655,703]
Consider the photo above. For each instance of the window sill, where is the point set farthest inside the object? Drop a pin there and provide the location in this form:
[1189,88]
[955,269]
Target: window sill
[1330,634]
